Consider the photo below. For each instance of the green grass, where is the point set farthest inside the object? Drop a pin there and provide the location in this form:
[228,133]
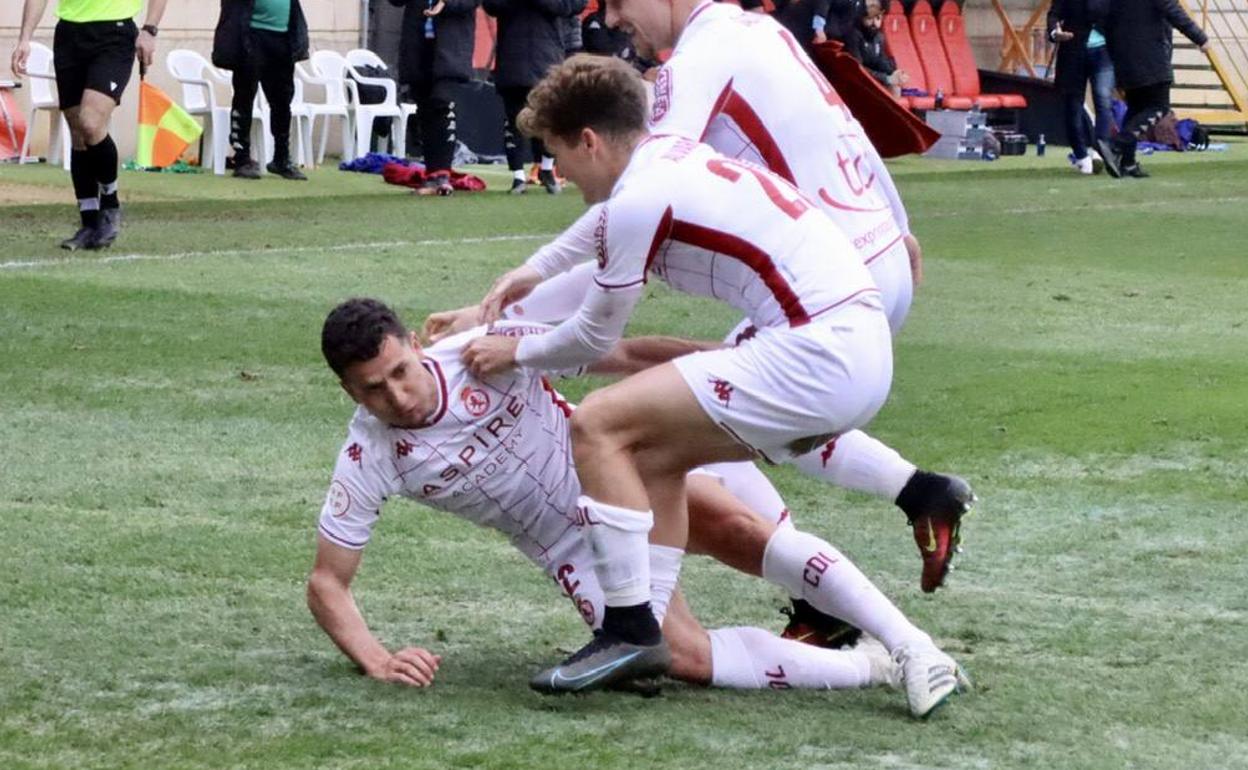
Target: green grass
[1079,351]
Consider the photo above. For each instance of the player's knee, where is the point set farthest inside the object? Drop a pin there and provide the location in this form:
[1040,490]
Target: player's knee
[89,126]
[590,427]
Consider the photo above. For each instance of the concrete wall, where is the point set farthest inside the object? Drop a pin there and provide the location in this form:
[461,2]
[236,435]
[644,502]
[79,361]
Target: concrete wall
[336,24]
[187,24]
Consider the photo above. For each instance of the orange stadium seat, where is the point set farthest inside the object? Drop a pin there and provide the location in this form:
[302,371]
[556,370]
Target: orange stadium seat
[926,36]
[962,63]
[901,48]
[487,33]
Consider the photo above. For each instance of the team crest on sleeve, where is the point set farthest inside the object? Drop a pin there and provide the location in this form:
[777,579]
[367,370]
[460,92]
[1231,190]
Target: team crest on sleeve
[662,95]
[600,238]
[476,401]
[339,498]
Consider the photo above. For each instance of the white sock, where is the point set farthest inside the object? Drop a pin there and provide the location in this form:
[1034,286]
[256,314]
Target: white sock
[753,659]
[547,163]
[858,462]
[618,537]
[752,487]
[812,569]
[518,174]
[664,574]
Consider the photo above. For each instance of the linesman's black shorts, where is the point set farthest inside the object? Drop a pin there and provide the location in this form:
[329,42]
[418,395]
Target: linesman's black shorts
[98,55]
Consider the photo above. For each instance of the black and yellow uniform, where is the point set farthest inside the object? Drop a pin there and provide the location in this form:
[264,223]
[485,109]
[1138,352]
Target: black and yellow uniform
[93,48]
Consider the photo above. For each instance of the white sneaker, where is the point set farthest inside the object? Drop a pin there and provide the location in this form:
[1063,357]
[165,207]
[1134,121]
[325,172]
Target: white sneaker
[884,670]
[1084,165]
[930,677]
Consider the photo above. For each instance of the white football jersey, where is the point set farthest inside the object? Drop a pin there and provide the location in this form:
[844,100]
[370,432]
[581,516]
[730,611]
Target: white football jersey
[496,452]
[716,227]
[741,83]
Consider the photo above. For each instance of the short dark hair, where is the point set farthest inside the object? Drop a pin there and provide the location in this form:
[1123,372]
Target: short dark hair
[355,330]
[586,91]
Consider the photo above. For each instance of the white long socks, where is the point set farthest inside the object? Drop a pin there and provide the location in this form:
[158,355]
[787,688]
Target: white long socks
[810,568]
[858,462]
[751,658]
[752,487]
[618,537]
[664,574]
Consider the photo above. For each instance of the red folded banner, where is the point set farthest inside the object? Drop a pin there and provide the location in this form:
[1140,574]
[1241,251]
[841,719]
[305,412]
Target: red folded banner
[893,129]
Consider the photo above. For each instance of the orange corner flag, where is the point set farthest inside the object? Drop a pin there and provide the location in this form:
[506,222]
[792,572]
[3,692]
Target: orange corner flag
[165,129]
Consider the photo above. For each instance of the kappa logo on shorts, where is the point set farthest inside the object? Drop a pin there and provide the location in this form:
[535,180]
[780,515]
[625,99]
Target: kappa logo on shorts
[476,401]
[339,498]
[723,390]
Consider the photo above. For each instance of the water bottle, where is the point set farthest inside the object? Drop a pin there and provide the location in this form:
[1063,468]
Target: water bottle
[940,98]
[1040,146]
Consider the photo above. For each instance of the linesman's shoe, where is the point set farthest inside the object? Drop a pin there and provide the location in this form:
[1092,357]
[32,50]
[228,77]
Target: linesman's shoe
[606,662]
[109,228]
[930,677]
[935,504]
[286,170]
[810,626]
[83,239]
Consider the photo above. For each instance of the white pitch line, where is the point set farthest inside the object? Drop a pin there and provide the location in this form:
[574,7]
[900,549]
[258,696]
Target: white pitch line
[27,264]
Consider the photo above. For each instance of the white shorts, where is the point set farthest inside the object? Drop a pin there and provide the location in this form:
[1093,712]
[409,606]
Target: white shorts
[785,391]
[891,272]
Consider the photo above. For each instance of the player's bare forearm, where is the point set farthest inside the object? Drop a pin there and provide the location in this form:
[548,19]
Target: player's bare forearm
[630,356]
[155,12]
[32,12]
[336,613]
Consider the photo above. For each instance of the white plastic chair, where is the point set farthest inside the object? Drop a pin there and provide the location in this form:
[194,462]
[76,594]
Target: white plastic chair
[41,76]
[301,114]
[362,57]
[199,97]
[366,113]
[335,104]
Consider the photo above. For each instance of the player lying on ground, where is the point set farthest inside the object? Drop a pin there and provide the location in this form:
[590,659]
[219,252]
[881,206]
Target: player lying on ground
[820,365]
[496,451]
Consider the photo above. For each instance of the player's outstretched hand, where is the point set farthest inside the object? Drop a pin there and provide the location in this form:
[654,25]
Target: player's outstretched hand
[916,259]
[513,286]
[439,326]
[490,354]
[412,666]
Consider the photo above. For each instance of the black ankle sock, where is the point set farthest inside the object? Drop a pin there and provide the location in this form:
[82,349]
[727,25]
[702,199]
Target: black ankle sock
[635,624]
[916,491]
[102,162]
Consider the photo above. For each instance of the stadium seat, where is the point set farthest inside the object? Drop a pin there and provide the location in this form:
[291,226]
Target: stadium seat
[42,78]
[962,63]
[901,48]
[926,36]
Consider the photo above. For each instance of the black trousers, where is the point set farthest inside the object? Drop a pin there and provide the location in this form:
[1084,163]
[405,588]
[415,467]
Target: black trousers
[514,144]
[1145,106]
[435,114]
[269,66]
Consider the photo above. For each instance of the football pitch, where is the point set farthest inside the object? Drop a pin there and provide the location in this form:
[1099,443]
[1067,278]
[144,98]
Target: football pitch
[1079,351]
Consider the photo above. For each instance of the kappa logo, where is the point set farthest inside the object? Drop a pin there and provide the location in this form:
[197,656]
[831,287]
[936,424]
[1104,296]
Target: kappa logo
[723,390]
[826,454]
[403,447]
[339,499]
[662,95]
[476,401]
[600,238]
[356,453]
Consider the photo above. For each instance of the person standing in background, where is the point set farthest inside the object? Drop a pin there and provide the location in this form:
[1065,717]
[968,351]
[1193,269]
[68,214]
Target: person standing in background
[1140,36]
[93,51]
[530,42]
[435,56]
[260,41]
[1076,26]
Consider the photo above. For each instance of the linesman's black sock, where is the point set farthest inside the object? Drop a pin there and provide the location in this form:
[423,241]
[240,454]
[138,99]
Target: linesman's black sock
[86,188]
[102,159]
